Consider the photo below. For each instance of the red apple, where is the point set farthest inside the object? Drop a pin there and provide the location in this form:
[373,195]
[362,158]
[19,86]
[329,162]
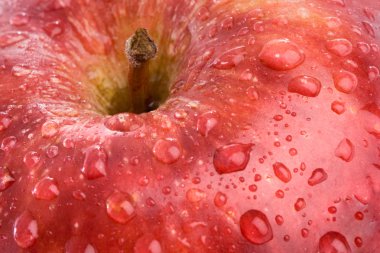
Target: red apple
[266,137]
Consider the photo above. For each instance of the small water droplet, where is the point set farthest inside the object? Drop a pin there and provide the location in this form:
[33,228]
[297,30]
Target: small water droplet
[147,244]
[52,151]
[89,249]
[304,232]
[338,107]
[207,122]
[293,152]
[194,195]
[19,19]
[282,172]
[333,22]
[11,38]
[345,150]
[279,220]
[359,216]
[203,14]
[231,158]
[220,199]
[54,28]
[345,81]
[369,29]
[259,26]
[373,73]
[124,122]
[364,47]
[332,209]
[25,230]
[246,75]
[120,207]
[317,176]
[95,163]
[49,129]
[31,159]
[8,143]
[333,242]
[300,204]
[280,194]
[358,241]
[305,85]
[46,189]
[167,150]
[230,58]
[252,93]
[6,179]
[255,227]
[227,23]
[339,47]
[5,122]
[281,54]
[79,195]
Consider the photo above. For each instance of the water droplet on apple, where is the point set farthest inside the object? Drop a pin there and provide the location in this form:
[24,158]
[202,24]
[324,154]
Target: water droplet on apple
[332,209]
[305,85]
[194,195]
[147,244]
[317,176]
[49,129]
[206,122]
[120,207]
[25,230]
[124,122]
[345,150]
[203,14]
[8,143]
[11,38]
[369,28]
[229,59]
[31,159]
[6,179]
[19,19]
[79,195]
[304,232]
[359,216]
[364,47]
[373,73]
[20,70]
[220,199]
[90,249]
[281,54]
[54,28]
[95,163]
[279,220]
[252,93]
[333,242]
[46,189]
[243,31]
[246,75]
[255,227]
[338,107]
[5,121]
[231,158]
[280,194]
[227,23]
[333,22]
[282,172]
[358,241]
[167,150]
[300,204]
[339,47]
[345,81]
[52,151]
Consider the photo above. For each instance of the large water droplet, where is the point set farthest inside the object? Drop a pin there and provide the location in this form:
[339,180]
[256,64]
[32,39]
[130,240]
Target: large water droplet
[25,230]
[300,204]
[333,242]
[230,59]
[339,47]
[255,227]
[46,189]
[124,122]
[281,54]
[231,158]
[95,163]
[11,38]
[345,81]
[345,150]
[282,172]
[6,179]
[206,122]
[120,207]
[167,150]
[305,85]
[317,176]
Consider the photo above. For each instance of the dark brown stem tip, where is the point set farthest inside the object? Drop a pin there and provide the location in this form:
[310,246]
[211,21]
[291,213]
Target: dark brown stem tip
[140,48]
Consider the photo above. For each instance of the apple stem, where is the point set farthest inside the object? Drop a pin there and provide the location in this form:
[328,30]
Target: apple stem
[139,49]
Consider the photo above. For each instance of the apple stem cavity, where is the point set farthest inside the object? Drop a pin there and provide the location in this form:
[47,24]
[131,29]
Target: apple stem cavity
[140,49]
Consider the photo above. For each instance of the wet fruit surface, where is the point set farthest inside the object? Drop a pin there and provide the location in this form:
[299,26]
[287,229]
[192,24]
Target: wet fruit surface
[266,137]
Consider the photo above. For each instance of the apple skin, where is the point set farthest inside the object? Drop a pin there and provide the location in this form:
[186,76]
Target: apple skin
[304,125]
